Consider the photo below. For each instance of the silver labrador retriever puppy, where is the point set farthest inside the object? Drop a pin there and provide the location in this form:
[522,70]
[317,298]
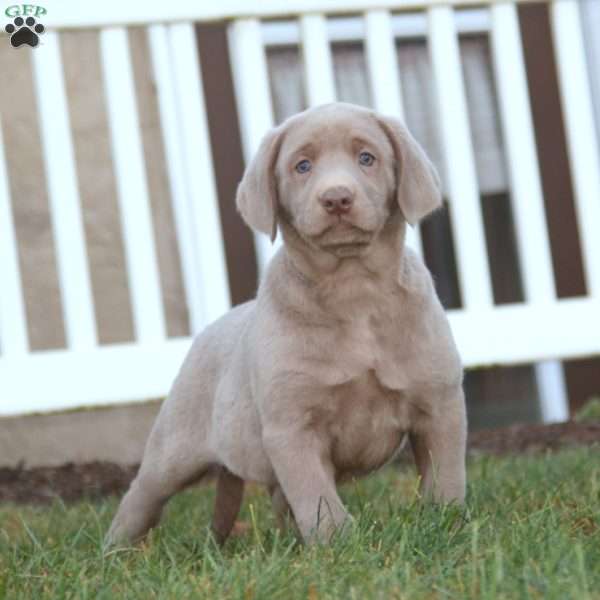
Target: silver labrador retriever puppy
[345,349]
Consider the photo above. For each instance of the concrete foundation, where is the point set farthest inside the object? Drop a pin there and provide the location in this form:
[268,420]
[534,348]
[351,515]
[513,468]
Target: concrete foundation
[116,434]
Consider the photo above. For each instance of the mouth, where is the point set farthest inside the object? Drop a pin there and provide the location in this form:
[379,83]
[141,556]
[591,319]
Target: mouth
[346,250]
[344,239]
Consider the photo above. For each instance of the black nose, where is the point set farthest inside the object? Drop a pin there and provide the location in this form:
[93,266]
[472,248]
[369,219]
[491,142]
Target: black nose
[337,200]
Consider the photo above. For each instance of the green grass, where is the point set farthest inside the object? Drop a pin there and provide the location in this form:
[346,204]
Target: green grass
[531,529]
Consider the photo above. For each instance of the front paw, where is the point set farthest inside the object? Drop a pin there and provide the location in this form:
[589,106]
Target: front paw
[329,525]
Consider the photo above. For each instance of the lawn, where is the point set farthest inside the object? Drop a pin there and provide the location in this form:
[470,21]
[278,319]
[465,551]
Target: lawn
[531,529]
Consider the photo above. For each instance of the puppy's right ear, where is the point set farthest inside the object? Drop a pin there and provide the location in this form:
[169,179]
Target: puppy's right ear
[257,192]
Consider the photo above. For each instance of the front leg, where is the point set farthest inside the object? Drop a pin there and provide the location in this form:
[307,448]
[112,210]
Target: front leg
[283,512]
[306,476]
[439,448]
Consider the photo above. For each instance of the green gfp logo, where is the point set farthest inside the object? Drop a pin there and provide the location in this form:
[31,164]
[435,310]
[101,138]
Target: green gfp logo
[25,10]
[24,29]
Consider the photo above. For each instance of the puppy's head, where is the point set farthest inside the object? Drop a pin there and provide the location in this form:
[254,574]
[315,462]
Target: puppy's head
[335,174]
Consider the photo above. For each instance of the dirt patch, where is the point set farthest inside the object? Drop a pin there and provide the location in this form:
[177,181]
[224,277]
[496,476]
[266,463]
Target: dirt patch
[69,482]
[534,438]
[95,480]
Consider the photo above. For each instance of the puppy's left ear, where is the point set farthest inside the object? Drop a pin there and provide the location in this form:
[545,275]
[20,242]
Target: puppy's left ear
[418,188]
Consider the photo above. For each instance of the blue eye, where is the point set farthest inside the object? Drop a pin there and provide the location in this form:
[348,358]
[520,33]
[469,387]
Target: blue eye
[366,159]
[303,166]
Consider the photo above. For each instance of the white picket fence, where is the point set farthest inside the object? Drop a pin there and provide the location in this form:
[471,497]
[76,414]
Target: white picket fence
[541,329]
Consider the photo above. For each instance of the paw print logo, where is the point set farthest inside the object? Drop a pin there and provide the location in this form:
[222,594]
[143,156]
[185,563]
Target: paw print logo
[24,32]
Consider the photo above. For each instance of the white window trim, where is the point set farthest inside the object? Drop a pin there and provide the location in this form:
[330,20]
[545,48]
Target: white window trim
[352,29]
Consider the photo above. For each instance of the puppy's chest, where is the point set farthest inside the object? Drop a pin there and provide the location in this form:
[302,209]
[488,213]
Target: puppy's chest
[367,402]
[365,423]
[371,343]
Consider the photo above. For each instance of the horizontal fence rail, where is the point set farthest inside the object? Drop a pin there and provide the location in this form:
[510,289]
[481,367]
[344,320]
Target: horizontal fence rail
[63,379]
[72,14]
[541,329]
[512,334]
[398,26]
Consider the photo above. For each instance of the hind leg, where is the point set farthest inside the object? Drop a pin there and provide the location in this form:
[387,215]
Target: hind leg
[142,505]
[173,459]
[230,492]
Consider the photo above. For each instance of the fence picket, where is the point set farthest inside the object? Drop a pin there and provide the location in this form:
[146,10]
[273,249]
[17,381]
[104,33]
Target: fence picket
[251,81]
[318,66]
[13,324]
[132,191]
[203,206]
[382,65]
[526,189]
[170,121]
[465,210]
[582,145]
[63,196]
